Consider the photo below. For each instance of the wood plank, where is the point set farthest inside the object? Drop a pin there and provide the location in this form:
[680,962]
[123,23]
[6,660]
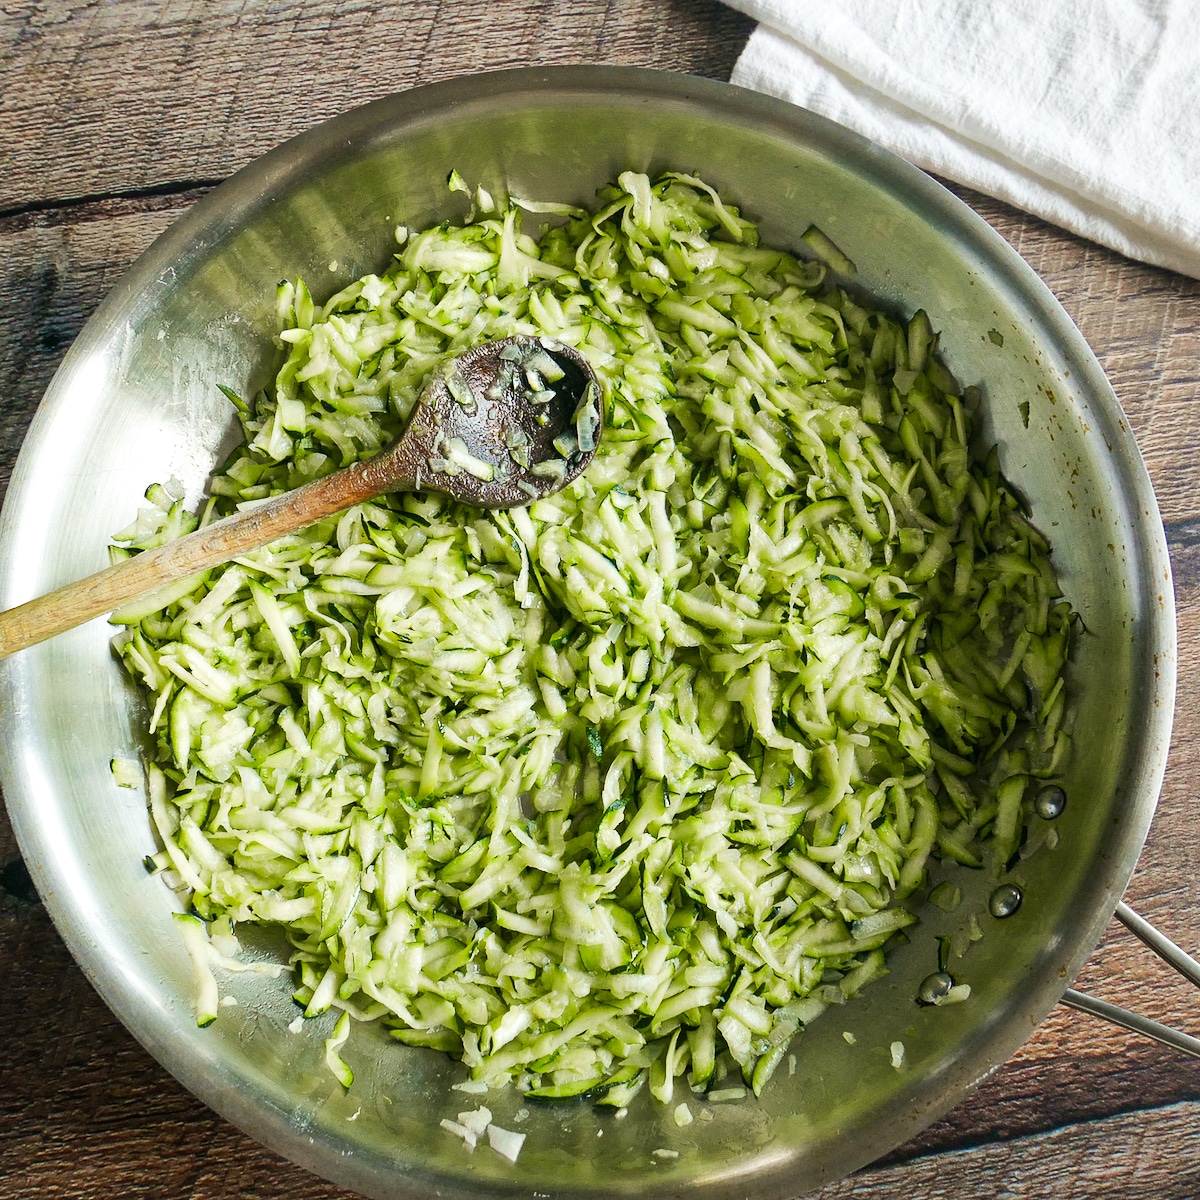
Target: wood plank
[1139,1154]
[115,98]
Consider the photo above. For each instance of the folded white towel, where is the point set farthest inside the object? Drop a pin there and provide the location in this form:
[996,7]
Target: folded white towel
[1084,112]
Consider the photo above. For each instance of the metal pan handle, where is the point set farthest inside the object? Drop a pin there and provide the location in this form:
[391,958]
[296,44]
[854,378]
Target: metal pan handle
[1170,953]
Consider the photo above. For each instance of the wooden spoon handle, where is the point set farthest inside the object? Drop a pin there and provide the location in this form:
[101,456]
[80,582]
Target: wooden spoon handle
[68,606]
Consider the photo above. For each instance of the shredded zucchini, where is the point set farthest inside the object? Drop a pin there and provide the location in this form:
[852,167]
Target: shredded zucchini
[632,782]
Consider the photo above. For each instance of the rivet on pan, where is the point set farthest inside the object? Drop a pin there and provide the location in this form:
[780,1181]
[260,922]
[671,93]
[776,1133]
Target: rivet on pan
[1050,802]
[1005,900]
[934,987]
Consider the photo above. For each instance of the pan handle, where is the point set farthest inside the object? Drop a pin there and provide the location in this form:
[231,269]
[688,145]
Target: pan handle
[1170,953]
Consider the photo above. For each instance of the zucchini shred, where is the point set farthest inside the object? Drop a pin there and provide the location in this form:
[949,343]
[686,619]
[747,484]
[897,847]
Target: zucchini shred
[631,783]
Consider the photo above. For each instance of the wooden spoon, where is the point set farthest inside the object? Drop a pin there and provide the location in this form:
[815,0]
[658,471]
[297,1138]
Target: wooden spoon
[502,425]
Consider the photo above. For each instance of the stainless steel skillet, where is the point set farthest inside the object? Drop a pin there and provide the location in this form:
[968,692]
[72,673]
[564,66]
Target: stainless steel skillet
[136,401]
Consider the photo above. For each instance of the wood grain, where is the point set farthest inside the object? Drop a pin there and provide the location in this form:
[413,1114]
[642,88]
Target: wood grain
[1121,1157]
[114,118]
[176,92]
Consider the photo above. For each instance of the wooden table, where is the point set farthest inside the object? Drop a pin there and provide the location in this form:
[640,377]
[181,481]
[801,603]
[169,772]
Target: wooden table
[114,117]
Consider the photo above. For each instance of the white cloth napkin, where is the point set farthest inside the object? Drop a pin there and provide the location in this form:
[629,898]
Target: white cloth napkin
[1084,112]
